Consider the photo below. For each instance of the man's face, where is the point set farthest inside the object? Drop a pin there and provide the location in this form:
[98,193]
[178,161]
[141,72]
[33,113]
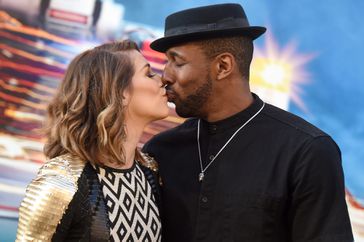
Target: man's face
[188,79]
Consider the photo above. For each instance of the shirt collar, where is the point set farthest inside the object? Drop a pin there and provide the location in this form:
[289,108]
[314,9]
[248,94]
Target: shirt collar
[234,120]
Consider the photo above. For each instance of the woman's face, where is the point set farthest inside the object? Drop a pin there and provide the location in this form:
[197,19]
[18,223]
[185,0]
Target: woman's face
[147,99]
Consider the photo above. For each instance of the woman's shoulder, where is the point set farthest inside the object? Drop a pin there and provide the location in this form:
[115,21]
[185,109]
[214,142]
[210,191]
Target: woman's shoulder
[58,177]
[62,167]
[147,161]
[150,167]
[48,196]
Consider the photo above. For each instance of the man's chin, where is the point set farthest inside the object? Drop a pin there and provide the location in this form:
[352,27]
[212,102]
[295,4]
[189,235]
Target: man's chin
[183,112]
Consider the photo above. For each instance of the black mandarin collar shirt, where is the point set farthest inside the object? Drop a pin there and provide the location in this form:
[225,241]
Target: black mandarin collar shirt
[279,179]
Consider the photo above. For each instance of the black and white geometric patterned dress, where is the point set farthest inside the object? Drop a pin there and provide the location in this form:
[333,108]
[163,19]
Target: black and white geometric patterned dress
[131,205]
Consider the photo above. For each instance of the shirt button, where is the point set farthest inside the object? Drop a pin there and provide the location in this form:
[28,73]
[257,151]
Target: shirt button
[204,199]
[214,127]
[211,157]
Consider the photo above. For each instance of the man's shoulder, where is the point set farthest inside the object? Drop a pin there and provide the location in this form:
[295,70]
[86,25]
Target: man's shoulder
[292,122]
[171,138]
[178,132]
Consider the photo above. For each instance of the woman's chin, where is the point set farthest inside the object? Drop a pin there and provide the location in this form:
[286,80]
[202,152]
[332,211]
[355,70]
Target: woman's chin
[154,118]
[165,115]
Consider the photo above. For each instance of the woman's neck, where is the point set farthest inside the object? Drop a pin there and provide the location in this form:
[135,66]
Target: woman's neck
[134,131]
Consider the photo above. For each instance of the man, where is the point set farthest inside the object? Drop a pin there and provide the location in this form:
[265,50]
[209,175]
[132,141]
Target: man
[239,169]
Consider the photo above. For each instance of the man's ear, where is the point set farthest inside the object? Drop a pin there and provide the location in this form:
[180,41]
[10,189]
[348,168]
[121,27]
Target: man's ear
[224,65]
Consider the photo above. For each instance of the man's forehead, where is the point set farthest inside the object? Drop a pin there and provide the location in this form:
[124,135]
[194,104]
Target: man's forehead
[184,50]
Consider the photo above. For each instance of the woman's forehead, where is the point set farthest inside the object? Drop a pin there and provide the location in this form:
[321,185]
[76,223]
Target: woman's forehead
[137,58]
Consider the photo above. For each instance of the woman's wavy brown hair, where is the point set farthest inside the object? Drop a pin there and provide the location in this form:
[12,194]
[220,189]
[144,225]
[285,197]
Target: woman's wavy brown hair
[86,117]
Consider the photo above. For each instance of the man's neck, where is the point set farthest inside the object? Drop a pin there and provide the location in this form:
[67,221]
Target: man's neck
[227,105]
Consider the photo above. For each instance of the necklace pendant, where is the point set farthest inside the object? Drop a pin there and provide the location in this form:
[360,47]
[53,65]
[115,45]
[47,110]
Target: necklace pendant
[201,176]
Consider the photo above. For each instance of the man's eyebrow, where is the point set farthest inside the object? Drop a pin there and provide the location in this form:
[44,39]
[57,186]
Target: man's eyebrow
[175,54]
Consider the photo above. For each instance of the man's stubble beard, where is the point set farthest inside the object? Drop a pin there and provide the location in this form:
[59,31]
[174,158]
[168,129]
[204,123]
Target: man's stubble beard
[192,105]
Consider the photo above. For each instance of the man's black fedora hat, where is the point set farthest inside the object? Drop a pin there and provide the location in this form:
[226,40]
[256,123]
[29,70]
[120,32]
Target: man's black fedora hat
[206,22]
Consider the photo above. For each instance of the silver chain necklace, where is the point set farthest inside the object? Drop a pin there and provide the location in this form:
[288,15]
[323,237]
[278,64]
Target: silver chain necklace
[203,170]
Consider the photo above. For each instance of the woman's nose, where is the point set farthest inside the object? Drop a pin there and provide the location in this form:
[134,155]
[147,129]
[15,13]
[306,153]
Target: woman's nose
[166,79]
[159,78]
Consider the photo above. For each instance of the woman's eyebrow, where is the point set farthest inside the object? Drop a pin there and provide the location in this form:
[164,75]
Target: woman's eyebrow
[146,65]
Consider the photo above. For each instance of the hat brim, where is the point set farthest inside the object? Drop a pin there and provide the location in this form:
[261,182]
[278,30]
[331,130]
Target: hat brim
[164,43]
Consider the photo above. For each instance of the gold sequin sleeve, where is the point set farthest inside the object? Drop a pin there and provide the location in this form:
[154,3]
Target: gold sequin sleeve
[146,160]
[47,198]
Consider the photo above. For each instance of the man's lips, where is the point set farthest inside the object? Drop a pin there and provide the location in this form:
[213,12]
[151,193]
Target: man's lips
[171,95]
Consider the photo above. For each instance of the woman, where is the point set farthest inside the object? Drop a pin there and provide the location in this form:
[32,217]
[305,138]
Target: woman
[95,185]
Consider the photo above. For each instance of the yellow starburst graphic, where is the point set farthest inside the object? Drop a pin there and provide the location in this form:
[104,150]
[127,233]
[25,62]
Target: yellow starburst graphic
[278,73]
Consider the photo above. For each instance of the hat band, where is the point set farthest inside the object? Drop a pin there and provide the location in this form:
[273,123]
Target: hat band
[227,23]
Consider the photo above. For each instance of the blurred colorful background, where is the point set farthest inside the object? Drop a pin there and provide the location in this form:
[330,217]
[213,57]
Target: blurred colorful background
[309,62]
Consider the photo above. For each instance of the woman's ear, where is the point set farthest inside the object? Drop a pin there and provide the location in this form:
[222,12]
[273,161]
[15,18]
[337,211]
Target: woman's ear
[126,97]
[224,65]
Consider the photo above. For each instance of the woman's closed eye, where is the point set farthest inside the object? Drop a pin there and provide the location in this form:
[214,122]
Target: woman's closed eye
[151,74]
